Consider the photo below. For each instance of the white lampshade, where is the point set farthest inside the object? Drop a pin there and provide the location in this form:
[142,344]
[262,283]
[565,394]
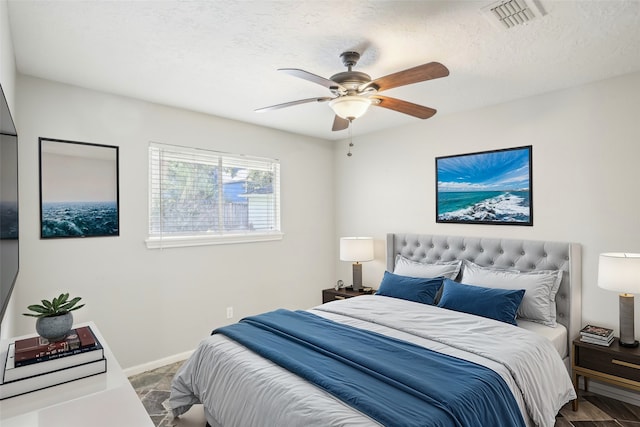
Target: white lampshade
[619,272]
[350,107]
[356,249]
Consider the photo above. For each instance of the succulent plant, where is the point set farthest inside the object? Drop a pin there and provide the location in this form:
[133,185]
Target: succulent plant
[56,307]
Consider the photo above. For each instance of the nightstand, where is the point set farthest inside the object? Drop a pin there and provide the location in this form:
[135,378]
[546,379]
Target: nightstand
[331,294]
[615,364]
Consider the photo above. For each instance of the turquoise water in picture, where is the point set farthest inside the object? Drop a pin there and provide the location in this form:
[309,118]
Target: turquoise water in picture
[79,219]
[498,206]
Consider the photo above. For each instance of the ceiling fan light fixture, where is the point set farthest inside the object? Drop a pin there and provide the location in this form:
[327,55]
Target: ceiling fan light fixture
[350,107]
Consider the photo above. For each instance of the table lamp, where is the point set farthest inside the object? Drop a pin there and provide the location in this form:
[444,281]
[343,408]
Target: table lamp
[621,272]
[356,249]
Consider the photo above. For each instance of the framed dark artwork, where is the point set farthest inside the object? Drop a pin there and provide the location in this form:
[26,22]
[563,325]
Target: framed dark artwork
[79,190]
[490,187]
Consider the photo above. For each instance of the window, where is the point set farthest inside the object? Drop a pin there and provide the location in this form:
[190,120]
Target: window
[202,197]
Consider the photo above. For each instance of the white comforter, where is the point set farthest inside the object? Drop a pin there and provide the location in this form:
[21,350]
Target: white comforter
[239,388]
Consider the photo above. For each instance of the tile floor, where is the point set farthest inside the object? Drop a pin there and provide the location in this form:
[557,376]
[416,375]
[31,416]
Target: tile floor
[595,411]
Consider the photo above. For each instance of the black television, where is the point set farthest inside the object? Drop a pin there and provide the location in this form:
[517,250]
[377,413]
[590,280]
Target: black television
[9,230]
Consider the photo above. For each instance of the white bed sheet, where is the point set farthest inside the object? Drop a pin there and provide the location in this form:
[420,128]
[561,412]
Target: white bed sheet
[239,388]
[557,335]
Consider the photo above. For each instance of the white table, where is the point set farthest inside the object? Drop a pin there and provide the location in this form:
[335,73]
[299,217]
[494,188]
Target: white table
[103,400]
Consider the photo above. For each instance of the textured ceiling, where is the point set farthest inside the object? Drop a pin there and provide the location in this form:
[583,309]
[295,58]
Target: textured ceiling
[220,56]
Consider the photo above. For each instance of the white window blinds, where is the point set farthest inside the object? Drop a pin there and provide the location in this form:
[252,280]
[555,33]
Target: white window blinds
[199,197]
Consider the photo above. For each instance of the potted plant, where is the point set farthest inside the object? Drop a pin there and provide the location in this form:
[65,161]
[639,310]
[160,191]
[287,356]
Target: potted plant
[54,317]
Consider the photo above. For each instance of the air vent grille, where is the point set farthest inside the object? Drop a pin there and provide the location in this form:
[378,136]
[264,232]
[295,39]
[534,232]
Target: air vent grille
[510,13]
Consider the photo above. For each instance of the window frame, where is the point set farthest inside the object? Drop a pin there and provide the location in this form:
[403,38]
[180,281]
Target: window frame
[219,236]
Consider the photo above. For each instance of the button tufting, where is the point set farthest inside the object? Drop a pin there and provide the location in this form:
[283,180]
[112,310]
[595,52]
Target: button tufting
[522,253]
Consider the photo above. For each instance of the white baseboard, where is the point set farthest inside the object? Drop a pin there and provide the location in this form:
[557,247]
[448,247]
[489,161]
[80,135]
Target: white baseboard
[155,364]
[613,392]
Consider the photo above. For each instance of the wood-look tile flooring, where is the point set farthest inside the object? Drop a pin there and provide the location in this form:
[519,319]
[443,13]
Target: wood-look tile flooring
[594,410]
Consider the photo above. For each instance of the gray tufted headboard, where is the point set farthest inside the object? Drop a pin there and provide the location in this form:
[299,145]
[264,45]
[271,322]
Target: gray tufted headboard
[523,255]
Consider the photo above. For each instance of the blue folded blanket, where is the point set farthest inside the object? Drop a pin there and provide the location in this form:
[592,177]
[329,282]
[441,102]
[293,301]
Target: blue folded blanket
[392,381]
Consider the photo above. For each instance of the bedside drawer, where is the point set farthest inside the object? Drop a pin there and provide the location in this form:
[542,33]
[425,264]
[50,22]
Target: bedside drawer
[331,295]
[619,365]
[344,293]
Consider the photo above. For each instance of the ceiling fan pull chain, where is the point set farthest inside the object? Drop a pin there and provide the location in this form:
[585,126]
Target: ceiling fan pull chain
[350,137]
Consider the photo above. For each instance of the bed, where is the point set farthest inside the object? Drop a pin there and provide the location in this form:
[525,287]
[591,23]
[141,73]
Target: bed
[246,387]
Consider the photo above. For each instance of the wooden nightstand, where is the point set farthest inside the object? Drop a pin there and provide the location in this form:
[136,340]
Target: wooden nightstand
[331,294]
[614,364]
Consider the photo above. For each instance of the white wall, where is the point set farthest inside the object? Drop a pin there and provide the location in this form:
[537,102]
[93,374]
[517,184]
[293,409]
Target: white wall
[7,58]
[152,304]
[586,146]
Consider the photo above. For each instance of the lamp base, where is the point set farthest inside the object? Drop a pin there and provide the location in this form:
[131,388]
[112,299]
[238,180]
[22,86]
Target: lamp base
[357,276]
[627,333]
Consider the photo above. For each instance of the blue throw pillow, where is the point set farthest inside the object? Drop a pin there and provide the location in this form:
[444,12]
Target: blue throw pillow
[493,303]
[410,288]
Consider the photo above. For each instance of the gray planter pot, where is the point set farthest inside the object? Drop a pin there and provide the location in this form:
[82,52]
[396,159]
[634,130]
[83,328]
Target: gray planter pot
[54,328]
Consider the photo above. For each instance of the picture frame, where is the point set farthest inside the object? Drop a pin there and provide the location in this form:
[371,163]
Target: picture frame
[79,189]
[488,187]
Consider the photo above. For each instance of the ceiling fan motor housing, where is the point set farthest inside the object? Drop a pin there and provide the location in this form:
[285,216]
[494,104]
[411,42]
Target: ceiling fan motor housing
[351,80]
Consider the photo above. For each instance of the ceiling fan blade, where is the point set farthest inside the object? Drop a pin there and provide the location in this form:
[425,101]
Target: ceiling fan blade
[405,107]
[339,123]
[289,104]
[421,73]
[329,84]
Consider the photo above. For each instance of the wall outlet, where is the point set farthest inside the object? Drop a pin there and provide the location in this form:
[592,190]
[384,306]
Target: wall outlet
[229,312]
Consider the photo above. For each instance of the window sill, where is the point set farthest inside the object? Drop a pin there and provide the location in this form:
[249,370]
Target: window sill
[229,239]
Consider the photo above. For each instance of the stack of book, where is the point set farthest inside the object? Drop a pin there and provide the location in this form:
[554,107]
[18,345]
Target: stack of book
[35,363]
[596,335]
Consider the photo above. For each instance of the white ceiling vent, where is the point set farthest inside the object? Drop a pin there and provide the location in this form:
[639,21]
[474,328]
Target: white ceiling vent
[510,13]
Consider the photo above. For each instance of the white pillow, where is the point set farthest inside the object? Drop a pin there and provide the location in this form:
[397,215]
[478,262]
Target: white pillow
[539,302]
[406,267]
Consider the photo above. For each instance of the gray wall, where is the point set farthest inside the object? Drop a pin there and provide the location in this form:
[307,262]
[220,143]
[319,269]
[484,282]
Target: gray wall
[152,304]
[586,146]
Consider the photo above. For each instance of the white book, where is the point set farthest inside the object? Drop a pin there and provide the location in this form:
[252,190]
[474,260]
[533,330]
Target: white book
[596,341]
[14,373]
[38,382]
[597,337]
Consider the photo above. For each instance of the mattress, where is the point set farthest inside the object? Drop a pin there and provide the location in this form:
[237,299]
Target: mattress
[239,388]
[557,335]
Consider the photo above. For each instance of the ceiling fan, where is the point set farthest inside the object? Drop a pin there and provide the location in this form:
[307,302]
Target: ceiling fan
[355,91]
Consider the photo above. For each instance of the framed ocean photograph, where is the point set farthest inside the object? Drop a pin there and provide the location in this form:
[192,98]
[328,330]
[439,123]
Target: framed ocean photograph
[78,189]
[490,187]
